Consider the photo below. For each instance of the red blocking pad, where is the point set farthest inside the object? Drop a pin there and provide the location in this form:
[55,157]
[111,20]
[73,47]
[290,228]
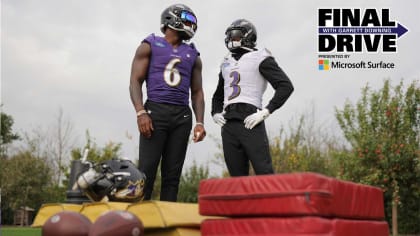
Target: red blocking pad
[299,226]
[297,194]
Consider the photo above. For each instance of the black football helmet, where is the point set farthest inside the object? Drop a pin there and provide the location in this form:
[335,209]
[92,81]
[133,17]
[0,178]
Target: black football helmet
[241,34]
[180,18]
[119,180]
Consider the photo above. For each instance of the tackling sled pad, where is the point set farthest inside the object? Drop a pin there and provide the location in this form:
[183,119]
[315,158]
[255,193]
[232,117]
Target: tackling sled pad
[299,226]
[297,194]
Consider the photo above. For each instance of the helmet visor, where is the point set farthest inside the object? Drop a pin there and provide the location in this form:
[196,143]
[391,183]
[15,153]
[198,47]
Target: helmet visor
[188,17]
[234,35]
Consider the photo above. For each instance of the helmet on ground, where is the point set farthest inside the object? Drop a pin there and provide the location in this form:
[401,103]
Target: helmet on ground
[119,180]
[241,34]
[181,18]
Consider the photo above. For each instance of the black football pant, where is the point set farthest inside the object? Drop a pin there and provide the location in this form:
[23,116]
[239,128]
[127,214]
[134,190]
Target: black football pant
[242,146]
[172,126]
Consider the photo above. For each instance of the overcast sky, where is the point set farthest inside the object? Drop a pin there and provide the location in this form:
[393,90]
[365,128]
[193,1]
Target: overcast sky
[76,55]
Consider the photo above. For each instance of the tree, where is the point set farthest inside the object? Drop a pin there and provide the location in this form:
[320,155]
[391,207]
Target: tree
[190,182]
[305,146]
[60,141]
[7,134]
[383,131]
[96,154]
[27,176]
[26,180]
[54,143]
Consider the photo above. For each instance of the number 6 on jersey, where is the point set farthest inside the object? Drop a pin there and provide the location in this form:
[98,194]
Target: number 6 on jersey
[171,74]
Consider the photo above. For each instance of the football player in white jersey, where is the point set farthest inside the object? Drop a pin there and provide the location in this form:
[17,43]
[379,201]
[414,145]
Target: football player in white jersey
[237,101]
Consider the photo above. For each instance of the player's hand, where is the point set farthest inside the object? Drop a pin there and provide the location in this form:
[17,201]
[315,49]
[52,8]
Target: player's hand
[199,133]
[254,119]
[219,119]
[144,122]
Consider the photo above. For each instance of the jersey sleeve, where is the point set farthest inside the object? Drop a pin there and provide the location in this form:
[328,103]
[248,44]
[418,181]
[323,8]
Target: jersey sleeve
[218,96]
[192,45]
[272,72]
[149,39]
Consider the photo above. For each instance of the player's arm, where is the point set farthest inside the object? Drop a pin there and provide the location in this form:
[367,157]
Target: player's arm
[139,69]
[217,102]
[197,100]
[218,96]
[271,71]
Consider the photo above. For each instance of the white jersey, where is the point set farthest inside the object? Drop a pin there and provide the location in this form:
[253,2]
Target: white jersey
[243,80]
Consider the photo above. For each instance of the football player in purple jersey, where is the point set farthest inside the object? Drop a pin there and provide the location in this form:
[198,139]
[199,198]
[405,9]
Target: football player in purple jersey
[237,101]
[171,68]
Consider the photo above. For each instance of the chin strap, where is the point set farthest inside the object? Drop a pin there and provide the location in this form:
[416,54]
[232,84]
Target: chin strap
[248,49]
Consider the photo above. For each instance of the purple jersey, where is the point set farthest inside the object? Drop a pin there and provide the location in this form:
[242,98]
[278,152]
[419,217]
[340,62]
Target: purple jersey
[169,75]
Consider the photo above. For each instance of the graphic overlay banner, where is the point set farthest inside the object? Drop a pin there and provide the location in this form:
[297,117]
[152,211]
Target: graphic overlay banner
[347,32]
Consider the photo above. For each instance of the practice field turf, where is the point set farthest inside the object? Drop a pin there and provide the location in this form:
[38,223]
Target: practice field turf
[20,231]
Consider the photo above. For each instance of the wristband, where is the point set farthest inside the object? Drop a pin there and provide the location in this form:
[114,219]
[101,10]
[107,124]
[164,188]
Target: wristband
[199,123]
[141,112]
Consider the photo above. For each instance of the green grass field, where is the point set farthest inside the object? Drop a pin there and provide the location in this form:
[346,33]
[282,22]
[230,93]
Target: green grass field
[20,231]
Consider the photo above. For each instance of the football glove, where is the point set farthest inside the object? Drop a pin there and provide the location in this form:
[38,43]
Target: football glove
[254,119]
[219,119]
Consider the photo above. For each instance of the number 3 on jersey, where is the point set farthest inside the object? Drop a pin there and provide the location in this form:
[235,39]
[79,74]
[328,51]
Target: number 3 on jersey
[171,74]
[236,90]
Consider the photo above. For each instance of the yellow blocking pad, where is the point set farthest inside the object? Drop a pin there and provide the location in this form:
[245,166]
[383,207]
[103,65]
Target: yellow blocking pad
[153,214]
[180,231]
[95,209]
[160,214]
[50,209]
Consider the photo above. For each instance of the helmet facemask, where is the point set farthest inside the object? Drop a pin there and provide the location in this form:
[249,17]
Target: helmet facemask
[234,39]
[189,23]
[241,36]
[95,185]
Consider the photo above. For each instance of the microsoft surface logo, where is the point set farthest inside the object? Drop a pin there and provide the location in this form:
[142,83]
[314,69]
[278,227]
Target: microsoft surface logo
[324,64]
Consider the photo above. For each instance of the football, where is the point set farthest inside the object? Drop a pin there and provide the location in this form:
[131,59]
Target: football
[66,223]
[118,222]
